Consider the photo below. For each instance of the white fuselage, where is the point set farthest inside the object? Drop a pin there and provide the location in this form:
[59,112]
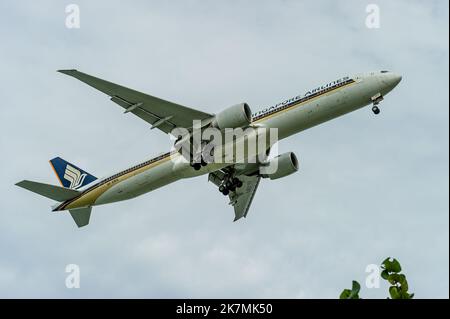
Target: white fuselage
[289,117]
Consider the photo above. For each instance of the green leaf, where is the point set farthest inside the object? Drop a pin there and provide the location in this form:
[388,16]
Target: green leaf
[392,279]
[391,265]
[384,263]
[356,287]
[353,293]
[395,279]
[396,266]
[385,275]
[395,294]
[404,285]
[345,294]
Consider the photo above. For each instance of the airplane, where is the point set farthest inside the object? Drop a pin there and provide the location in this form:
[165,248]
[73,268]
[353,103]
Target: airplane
[80,191]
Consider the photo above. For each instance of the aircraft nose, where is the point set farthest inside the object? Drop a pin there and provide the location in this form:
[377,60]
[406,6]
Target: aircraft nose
[392,80]
[396,78]
[389,81]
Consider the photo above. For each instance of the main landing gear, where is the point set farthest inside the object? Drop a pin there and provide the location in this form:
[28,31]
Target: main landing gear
[230,185]
[202,159]
[198,166]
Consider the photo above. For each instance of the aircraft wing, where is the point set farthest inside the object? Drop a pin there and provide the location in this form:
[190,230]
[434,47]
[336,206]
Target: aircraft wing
[161,114]
[242,197]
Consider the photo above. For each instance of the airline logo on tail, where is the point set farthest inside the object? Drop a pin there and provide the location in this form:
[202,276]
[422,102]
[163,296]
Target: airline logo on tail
[70,175]
[74,176]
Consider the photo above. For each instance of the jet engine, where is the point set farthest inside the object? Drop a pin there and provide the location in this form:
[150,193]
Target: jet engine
[235,116]
[280,166]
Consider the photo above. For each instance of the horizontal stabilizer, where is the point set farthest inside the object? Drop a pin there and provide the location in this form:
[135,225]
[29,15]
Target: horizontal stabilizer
[57,193]
[81,216]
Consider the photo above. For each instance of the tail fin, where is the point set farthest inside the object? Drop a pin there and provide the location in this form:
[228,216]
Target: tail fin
[69,175]
[57,193]
[81,216]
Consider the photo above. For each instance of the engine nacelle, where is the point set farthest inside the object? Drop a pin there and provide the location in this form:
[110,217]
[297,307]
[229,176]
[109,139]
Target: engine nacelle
[235,116]
[280,166]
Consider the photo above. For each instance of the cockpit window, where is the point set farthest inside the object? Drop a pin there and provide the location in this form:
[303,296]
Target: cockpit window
[384,71]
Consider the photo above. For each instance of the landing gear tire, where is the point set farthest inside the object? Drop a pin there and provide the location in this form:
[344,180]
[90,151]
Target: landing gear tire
[196,166]
[224,190]
[375,110]
[230,185]
[237,182]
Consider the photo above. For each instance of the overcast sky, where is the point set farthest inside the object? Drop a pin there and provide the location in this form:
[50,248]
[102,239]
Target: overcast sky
[368,186]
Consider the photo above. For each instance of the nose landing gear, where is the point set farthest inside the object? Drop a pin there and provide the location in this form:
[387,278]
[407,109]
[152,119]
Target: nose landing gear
[376,99]
[375,110]
[197,166]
